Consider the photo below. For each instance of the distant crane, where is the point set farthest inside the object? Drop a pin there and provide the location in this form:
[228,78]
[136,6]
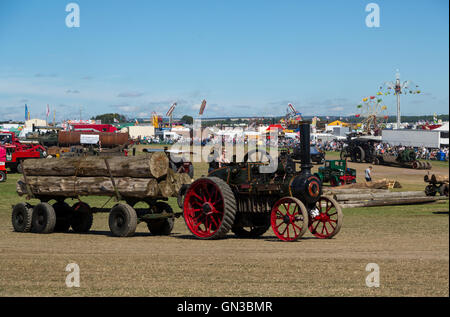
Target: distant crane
[169,114]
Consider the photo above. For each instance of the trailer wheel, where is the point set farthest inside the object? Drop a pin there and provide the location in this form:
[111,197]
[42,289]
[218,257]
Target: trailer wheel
[44,218]
[82,218]
[343,155]
[19,167]
[63,216]
[21,218]
[191,171]
[161,227]
[430,190]
[122,220]
[376,161]
[444,190]
[2,176]
[209,208]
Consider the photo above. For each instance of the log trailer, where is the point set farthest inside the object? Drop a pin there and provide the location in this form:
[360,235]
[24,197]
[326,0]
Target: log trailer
[130,180]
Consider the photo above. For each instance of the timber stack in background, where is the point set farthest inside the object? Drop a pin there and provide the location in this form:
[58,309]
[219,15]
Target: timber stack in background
[144,176]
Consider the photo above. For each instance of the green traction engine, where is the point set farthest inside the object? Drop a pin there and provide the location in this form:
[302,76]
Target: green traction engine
[336,173]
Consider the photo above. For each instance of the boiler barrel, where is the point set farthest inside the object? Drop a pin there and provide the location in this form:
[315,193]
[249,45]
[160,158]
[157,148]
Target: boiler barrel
[108,139]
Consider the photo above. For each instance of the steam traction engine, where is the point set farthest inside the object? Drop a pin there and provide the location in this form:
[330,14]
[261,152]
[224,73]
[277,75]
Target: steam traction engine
[240,198]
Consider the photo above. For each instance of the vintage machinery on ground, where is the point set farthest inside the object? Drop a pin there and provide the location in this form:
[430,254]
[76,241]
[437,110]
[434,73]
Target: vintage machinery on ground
[336,173]
[436,184]
[17,151]
[141,186]
[404,158]
[359,149]
[242,198]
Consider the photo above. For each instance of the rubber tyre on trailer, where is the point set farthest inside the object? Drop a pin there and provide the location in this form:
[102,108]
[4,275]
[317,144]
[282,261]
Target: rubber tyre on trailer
[122,220]
[376,161]
[63,216]
[2,176]
[191,171]
[164,226]
[209,208]
[343,155]
[430,190]
[21,217]
[44,218]
[82,218]
[20,167]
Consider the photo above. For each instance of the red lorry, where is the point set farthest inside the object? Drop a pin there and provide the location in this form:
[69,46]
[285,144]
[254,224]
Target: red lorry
[17,151]
[2,164]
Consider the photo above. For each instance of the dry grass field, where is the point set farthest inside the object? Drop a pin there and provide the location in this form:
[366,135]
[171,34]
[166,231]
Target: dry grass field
[409,243]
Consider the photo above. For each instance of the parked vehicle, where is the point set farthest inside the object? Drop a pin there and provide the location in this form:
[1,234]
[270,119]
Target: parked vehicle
[336,173]
[404,158]
[359,149]
[17,151]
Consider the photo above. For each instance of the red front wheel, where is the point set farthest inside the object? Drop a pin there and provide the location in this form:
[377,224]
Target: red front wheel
[325,218]
[209,208]
[289,219]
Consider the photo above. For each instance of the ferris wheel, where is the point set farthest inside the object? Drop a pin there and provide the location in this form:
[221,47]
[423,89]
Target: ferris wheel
[373,113]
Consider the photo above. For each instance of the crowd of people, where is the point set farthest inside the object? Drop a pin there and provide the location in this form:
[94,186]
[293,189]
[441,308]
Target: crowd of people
[333,145]
[421,152]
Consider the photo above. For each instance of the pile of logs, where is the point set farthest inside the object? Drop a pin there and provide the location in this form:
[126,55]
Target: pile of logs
[379,184]
[142,176]
[368,197]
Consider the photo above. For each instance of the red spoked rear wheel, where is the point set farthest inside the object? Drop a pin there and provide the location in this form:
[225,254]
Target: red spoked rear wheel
[209,208]
[325,218]
[289,219]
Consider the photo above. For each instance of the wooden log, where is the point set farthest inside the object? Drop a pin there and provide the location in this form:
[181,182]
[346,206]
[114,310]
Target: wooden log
[84,186]
[353,197]
[379,196]
[144,166]
[402,201]
[339,190]
[166,188]
[379,184]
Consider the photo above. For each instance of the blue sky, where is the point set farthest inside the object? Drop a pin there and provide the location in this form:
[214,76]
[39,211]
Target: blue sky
[244,57]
